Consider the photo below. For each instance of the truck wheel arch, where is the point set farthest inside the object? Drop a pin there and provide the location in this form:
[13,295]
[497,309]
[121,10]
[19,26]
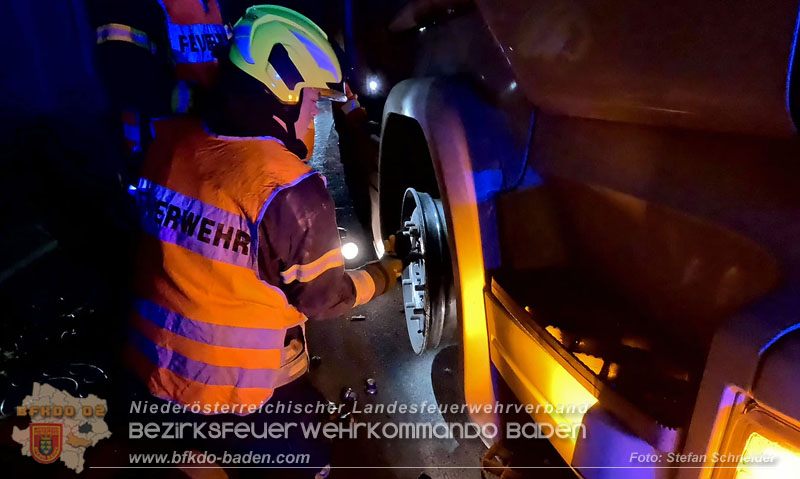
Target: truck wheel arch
[424,114]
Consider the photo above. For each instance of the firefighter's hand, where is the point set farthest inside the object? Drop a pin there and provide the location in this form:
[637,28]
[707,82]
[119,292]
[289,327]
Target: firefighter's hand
[389,245]
[399,245]
[389,268]
[351,104]
[392,266]
[349,93]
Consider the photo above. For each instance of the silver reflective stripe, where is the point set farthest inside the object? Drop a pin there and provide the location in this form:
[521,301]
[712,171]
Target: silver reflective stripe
[123,33]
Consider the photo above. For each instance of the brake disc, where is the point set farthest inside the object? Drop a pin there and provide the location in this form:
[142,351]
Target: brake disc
[428,296]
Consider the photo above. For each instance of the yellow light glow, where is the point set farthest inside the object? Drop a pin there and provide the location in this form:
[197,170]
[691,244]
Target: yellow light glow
[765,459]
[350,250]
[594,363]
[554,331]
[478,389]
[537,378]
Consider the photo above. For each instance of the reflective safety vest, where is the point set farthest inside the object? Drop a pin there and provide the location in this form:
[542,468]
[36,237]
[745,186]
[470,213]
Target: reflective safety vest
[194,29]
[205,327]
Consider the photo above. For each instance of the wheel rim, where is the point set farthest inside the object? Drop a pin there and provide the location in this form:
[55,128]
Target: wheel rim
[427,281]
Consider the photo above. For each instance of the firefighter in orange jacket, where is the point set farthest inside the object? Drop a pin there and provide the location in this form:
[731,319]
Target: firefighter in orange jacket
[241,244]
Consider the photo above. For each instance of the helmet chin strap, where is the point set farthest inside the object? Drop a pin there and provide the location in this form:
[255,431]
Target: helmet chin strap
[241,106]
[280,122]
[286,116]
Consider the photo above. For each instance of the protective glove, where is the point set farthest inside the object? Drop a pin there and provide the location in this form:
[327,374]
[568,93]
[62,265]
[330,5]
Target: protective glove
[391,262]
[389,268]
[384,272]
[399,246]
[392,266]
[352,103]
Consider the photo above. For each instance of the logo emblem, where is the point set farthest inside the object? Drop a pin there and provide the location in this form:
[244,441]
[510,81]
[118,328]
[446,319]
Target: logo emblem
[46,440]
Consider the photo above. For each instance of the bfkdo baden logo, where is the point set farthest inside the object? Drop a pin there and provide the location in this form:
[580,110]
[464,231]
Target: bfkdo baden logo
[62,427]
[46,441]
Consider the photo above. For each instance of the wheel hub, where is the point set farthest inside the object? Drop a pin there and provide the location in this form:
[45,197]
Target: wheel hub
[427,281]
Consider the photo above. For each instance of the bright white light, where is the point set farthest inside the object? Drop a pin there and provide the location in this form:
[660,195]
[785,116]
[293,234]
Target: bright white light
[765,459]
[350,250]
[512,86]
[421,29]
[373,86]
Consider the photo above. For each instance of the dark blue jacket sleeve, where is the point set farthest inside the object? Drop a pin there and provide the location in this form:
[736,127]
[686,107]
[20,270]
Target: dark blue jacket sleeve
[300,252]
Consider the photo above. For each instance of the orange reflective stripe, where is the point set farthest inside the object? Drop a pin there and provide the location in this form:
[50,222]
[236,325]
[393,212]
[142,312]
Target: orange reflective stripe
[365,286]
[160,381]
[192,11]
[214,355]
[307,272]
